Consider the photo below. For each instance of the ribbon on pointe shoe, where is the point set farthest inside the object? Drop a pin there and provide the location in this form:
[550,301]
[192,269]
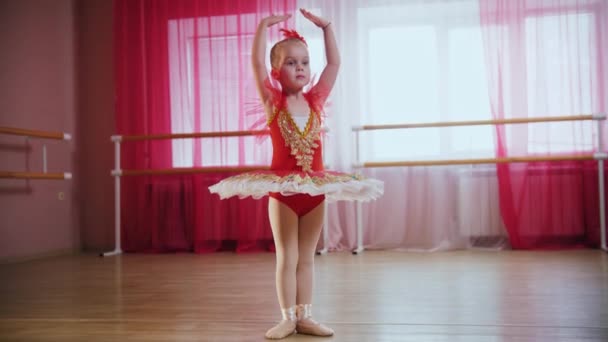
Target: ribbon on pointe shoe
[290,314]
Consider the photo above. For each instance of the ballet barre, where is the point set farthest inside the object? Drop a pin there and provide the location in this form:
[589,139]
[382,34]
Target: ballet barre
[35,175]
[117,172]
[480,122]
[600,156]
[444,162]
[35,134]
[28,133]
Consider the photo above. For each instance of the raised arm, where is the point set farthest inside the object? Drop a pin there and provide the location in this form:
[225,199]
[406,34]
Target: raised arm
[330,72]
[258,54]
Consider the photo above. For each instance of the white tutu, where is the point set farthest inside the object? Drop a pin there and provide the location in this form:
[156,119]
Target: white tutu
[334,185]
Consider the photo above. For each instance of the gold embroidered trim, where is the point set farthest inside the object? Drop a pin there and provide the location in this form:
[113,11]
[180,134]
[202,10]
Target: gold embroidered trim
[298,179]
[301,144]
[272,116]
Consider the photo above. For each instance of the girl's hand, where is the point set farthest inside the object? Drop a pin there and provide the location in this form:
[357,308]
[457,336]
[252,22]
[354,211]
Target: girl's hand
[320,22]
[275,19]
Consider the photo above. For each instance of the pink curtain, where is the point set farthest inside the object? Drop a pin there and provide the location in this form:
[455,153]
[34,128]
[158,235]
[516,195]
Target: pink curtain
[547,58]
[183,66]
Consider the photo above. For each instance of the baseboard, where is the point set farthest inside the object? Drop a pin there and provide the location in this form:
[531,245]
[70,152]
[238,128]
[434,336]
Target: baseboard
[38,256]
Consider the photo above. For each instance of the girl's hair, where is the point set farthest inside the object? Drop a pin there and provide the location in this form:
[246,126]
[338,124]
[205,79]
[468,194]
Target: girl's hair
[290,36]
[275,54]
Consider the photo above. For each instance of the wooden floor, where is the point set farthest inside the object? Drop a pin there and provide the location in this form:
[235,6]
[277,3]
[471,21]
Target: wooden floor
[376,296]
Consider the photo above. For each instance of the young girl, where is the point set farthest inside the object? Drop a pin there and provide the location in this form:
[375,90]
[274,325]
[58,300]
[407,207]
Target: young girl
[296,183]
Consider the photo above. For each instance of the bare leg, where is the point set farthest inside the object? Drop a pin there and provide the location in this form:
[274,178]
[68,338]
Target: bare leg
[310,226]
[284,223]
[308,237]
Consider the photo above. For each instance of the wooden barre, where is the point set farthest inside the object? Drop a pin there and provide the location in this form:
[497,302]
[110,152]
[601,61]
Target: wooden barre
[34,133]
[191,170]
[476,122]
[34,175]
[193,135]
[477,161]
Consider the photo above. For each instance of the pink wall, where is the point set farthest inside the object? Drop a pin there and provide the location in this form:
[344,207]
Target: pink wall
[95,123]
[56,74]
[37,91]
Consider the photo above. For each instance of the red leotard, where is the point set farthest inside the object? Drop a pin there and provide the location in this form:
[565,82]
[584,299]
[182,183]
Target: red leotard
[296,150]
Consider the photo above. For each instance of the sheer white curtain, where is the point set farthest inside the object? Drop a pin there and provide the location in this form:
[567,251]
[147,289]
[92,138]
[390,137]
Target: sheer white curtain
[405,62]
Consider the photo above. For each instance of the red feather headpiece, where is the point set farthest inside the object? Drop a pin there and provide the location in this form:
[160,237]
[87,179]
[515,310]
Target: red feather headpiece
[293,34]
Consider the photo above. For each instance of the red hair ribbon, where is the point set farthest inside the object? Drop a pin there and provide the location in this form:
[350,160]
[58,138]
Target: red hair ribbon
[293,34]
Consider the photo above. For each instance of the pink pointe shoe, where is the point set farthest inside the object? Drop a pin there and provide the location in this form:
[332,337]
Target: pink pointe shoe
[286,327]
[308,326]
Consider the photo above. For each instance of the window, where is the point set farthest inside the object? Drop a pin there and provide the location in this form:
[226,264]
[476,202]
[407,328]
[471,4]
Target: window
[559,74]
[212,88]
[426,63]
[423,65]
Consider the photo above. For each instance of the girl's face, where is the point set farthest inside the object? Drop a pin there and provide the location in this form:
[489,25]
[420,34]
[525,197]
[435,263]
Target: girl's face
[294,72]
